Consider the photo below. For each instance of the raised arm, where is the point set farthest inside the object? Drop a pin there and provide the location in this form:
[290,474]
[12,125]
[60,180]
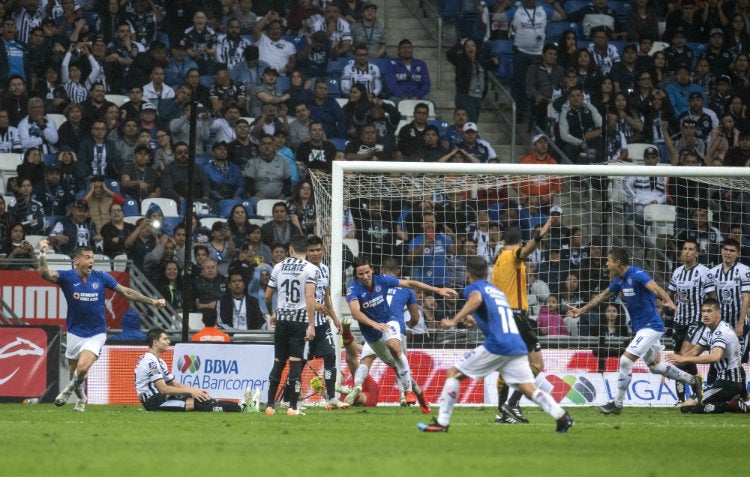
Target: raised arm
[417,285]
[532,244]
[133,295]
[661,293]
[596,301]
[471,305]
[44,271]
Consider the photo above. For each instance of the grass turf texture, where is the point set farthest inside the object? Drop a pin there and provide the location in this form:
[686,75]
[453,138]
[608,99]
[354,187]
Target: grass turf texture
[41,440]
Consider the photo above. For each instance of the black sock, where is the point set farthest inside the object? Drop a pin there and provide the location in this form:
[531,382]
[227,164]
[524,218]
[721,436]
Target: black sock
[329,375]
[273,381]
[205,406]
[228,406]
[502,392]
[514,398]
[295,372]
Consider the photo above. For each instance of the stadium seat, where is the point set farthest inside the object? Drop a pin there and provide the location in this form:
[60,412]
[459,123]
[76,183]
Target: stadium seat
[406,108]
[130,208]
[620,45]
[113,185]
[207,80]
[660,219]
[9,161]
[335,67]
[334,87]
[226,206]
[339,142]
[697,48]
[203,159]
[210,221]
[171,222]
[342,101]
[502,47]
[621,8]
[118,99]
[168,206]
[658,46]
[353,246]
[258,222]
[504,72]
[636,150]
[573,5]
[555,29]
[120,263]
[50,159]
[59,261]
[132,219]
[57,118]
[195,321]
[283,83]
[35,239]
[264,207]
[249,207]
[441,125]
[103,262]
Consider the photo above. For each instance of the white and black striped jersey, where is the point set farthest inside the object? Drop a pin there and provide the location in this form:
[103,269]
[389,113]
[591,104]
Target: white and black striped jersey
[730,285]
[371,77]
[231,51]
[27,21]
[729,367]
[324,281]
[289,278]
[10,140]
[690,286]
[148,371]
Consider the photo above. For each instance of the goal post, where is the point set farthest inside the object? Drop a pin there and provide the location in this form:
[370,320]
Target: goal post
[593,200]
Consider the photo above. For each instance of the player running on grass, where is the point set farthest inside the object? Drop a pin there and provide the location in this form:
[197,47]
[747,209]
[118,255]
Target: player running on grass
[639,291]
[503,350]
[84,289]
[367,298]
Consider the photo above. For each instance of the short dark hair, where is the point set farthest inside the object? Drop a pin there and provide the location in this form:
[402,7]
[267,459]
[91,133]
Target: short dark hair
[730,242]
[314,240]
[691,240]
[712,302]
[299,244]
[390,264]
[549,46]
[153,335]
[620,254]
[476,267]
[513,236]
[209,317]
[80,250]
[360,261]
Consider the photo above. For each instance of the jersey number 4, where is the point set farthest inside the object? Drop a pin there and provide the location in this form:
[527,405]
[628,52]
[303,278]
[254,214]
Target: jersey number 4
[292,290]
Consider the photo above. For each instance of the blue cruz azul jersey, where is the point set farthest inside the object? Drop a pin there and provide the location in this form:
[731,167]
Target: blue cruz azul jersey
[641,301]
[398,300]
[373,302]
[86,301]
[495,318]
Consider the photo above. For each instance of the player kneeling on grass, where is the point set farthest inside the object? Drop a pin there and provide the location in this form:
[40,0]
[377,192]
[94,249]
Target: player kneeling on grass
[503,350]
[727,393]
[158,389]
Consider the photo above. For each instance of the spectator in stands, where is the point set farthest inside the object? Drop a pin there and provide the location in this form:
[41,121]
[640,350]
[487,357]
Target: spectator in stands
[603,98]
[15,100]
[125,138]
[431,150]
[10,137]
[367,147]
[726,138]
[280,54]
[721,95]
[646,189]
[659,121]
[544,188]
[98,156]
[427,253]
[143,64]
[36,129]
[142,240]
[138,180]
[199,92]
[131,109]
[357,109]
[208,287]
[179,64]
[628,120]
[5,219]
[174,178]
[76,87]
[254,238]
[247,18]
[326,110]
[407,77]
[28,211]
[131,328]
[580,129]
[96,105]
[640,97]
[737,37]
[52,91]
[270,120]
[615,143]
[224,91]
[679,91]
[224,125]
[157,89]
[588,74]
[683,21]
[738,110]
[567,45]
[337,29]
[280,229]
[599,15]
[739,156]
[559,234]
[736,232]
[99,197]
[54,196]
[368,30]
[180,127]
[237,308]
[231,46]
[221,247]
[121,52]
[550,322]
[704,233]
[454,132]
[553,270]
[363,72]
[410,137]
[249,71]
[315,153]
[686,194]
[155,260]
[678,54]
[312,61]
[706,121]
[171,108]
[624,72]
[299,129]
[241,149]
[471,76]
[115,231]
[200,41]
[75,230]
[604,54]
[225,178]
[542,78]
[301,15]
[268,175]
[301,207]
[641,21]
[718,56]
[688,138]
[474,146]
[531,216]
[611,325]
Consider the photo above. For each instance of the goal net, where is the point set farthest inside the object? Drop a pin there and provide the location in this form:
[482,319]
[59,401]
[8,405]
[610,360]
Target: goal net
[391,209]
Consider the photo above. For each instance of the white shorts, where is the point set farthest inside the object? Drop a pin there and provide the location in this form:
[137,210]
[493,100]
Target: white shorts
[380,349]
[646,345]
[76,344]
[479,363]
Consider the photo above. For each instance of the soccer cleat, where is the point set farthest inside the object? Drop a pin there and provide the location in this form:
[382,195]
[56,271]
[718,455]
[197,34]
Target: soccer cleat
[508,418]
[294,412]
[402,399]
[697,388]
[63,397]
[609,408]
[243,403]
[256,400]
[564,423]
[515,412]
[424,406]
[500,419]
[411,399]
[343,388]
[334,403]
[433,427]
[270,411]
[351,398]
[80,405]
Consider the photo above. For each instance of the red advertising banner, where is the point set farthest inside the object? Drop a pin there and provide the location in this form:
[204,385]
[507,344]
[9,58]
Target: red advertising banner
[23,361]
[39,302]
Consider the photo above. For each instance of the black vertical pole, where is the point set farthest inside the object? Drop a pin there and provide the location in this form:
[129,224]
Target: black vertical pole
[187,288]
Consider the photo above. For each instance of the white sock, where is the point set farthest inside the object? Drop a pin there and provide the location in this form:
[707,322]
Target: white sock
[624,375]
[77,380]
[361,374]
[415,388]
[672,372]
[403,372]
[447,400]
[547,404]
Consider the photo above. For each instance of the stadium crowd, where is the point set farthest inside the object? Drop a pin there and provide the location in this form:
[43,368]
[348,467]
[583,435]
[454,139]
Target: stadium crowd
[97,95]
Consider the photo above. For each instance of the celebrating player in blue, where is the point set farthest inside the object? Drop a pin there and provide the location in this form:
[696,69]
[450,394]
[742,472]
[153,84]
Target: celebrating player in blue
[639,292]
[368,302]
[503,350]
[84,289]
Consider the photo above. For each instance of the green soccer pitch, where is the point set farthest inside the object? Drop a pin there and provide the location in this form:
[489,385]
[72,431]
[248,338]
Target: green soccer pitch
[42,440]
